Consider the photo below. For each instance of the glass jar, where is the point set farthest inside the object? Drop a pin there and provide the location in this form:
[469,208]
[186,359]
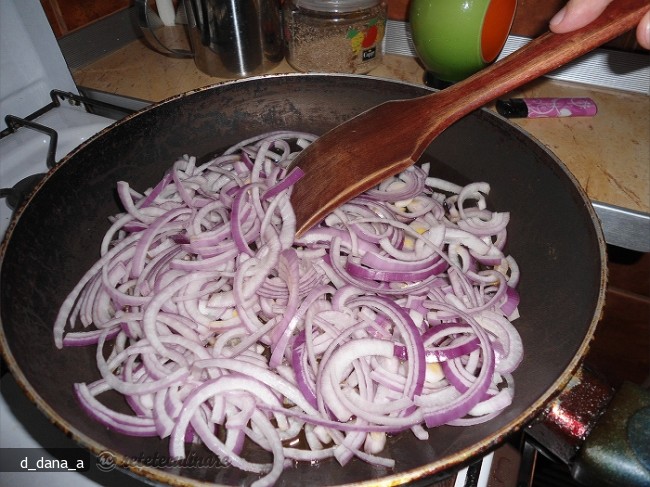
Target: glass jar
[334,36]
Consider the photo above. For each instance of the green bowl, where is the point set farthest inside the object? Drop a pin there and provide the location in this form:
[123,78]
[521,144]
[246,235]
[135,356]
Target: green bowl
[456,38]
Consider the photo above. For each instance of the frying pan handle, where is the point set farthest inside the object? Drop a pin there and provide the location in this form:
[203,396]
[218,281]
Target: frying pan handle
[603,436]
[618,448]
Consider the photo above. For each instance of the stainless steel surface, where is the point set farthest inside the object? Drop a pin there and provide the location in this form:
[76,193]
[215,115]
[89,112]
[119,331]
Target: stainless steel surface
[228,38]
[624,228]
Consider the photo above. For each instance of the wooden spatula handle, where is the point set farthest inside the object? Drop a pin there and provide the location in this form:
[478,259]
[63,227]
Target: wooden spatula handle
[544,54]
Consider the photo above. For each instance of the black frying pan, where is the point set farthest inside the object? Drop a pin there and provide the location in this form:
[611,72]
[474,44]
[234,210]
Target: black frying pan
[553,233]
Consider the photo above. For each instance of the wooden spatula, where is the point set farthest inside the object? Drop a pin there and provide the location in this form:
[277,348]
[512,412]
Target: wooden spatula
[386,139]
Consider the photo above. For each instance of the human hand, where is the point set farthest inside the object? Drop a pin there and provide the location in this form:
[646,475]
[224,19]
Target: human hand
[578,13]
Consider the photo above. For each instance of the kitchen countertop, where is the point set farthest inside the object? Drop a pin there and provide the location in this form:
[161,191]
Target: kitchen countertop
[609,154]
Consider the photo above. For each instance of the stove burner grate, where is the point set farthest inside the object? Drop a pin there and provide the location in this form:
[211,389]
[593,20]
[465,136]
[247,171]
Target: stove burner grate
[16,194]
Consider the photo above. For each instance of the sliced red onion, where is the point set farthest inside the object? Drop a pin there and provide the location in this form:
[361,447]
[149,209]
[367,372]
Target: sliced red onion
[393,314]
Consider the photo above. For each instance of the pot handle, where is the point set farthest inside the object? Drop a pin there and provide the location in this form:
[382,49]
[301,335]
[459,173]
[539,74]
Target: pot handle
[148,29]
[603,436]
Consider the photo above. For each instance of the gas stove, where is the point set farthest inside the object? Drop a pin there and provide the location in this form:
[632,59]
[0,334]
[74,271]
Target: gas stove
[43,115]
[32,145]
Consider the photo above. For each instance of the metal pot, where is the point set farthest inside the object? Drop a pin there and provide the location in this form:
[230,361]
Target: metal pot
[55,237]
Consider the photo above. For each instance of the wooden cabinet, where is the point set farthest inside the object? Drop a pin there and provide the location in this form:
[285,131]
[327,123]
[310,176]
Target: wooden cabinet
[621,348]
[66,16]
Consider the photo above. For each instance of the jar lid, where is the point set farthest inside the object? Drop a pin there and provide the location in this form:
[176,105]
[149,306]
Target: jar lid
[337,5]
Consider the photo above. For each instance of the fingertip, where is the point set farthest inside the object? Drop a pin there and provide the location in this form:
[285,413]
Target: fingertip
[558,18]
[576,14]
[643,31]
